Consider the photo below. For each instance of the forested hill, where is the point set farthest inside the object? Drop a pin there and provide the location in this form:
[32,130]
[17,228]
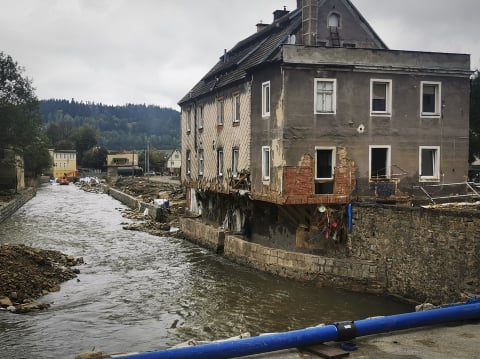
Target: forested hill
[119,127]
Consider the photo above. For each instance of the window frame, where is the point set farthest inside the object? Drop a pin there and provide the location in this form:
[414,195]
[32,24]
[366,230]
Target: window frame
[188,162]
[435,165]
[201,162]
[188,126]
[334,96]
[220,111]
[235,158]
[332,164]
[266,99]
[388,98]
[266,157]
[438,99]
[388,164]
[220,162]
[200,117]
[236,108]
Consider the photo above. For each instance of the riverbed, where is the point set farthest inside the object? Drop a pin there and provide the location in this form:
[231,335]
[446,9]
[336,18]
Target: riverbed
[140,292]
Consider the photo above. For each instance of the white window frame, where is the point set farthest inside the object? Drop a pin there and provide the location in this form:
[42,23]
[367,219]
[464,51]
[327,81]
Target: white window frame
[189,120]
[388,165]
[333,95]
[333,161]
[438,98]
[201,162]
[436,164]
[236,108]
[220,111]
[235,157]
[388,100]
[188,160]
[200,117]
[266,99]
[220,159]
[266,159]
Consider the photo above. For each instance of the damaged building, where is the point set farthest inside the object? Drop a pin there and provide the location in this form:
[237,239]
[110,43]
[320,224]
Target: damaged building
[313,112]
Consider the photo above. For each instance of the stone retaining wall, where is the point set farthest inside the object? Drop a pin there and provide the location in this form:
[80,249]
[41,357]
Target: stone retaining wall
[427,254]
[202,234]
[155,212]
[11,207]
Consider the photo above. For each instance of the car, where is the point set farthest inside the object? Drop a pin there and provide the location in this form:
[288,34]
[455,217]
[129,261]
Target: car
[150,173]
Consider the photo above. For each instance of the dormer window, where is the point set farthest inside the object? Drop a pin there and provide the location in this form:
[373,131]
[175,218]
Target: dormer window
[334,20]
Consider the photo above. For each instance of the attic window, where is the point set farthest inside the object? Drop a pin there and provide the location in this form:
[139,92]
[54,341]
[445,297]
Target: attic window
[334,20]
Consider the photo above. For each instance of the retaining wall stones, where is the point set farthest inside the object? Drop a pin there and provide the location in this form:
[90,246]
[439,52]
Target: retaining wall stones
[202,234]
[155,212]
[427,254]
[12,206]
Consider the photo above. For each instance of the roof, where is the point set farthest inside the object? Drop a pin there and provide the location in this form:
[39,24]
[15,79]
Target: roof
[261,47]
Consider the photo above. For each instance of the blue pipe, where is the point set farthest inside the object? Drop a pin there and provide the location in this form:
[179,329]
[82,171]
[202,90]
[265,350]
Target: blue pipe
[350,217]
[306,337]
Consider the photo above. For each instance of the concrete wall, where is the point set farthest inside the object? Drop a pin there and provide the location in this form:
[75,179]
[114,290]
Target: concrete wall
[207,236]
[9,208]
[155,212]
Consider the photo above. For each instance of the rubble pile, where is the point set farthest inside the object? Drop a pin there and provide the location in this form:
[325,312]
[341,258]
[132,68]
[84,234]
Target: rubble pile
[28,273]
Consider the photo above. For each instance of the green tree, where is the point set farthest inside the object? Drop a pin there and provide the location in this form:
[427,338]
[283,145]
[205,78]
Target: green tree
[85,138]
[21,126]
[95,158]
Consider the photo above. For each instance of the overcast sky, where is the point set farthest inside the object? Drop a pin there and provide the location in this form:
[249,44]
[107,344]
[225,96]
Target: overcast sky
[154,51]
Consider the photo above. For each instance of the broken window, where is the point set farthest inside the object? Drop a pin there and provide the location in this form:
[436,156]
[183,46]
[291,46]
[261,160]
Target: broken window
[266,99]
[334,20]
[380,94]
[379,163]
[325,96]
[324,163]
[430,98]
[429,157]
[265,163]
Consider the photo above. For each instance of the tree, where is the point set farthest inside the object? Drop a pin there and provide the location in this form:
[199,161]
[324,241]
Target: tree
[85,138]
[95,158]
[21,126]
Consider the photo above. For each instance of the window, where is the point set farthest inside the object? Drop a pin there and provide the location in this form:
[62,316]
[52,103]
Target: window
[265,163]
[220,112]
[220,162]
[429,165]
[430,98]
[189,120]
[325,96]
[235,162]
[200,162]
[334,20]
[324,163]
[266,99]
[236,108]
[188,166]
[200,117]
[379,160]
[380,97]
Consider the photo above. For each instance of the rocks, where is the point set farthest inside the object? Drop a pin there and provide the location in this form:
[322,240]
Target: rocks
[28,273]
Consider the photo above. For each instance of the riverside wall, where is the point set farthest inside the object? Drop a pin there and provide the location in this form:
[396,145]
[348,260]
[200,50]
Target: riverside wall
[155,212]
[9,208]
[413,253]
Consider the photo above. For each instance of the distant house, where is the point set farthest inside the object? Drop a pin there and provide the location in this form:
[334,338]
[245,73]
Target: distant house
[123,164]
[12,173]
[64,163]
[313,112]
[174,163]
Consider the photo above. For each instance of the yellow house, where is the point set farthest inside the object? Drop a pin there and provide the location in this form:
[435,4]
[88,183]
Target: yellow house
[64,163]
[123,164]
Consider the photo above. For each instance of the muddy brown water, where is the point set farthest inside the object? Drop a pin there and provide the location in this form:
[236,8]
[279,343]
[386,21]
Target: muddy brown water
[139,292]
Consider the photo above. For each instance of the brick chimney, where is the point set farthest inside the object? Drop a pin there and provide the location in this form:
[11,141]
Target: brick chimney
[309,21]
[261,26]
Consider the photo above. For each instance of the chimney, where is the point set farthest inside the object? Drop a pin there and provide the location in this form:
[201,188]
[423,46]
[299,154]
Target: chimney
[309,22]
[261,26]
[277,14]
[299,4]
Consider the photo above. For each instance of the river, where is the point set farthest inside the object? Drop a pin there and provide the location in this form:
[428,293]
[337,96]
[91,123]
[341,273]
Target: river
[139,292]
